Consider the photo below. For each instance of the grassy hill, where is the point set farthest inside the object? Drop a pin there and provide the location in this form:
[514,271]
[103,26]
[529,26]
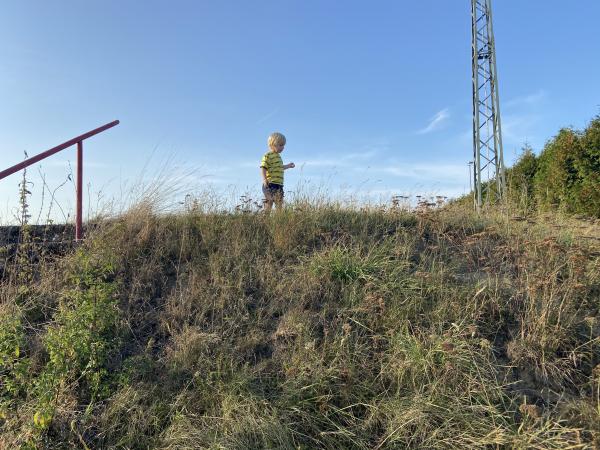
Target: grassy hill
[317,327]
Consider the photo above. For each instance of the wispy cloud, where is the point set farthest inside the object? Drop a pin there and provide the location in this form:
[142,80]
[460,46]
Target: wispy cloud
[436,121]
[348,160]
[267,116]
[527,100]
[361,156]
[429,172]
[321,162]
[519,128]
[73,164]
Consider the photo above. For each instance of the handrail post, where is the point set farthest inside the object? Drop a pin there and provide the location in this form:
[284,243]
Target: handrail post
[78,220]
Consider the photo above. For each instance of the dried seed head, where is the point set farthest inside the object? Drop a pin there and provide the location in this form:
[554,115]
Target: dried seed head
[531,410]
[448,346]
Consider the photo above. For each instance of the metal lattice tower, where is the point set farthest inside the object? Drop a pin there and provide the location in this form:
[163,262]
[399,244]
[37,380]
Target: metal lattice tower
[488,167]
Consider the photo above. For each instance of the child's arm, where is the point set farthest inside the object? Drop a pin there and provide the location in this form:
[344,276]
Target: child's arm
[289,166]
[263,174]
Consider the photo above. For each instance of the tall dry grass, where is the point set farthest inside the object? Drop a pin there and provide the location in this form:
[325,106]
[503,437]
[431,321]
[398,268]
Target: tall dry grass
[321,326]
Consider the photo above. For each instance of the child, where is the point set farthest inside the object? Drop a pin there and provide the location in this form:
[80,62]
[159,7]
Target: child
[271,169]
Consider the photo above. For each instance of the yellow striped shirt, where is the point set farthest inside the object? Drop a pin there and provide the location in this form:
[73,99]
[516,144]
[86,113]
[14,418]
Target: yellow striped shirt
[274,164]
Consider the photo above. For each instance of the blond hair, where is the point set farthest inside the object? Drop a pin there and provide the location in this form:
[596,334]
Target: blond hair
[276,139]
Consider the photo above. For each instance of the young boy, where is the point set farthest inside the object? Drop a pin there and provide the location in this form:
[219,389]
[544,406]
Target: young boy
[271,169]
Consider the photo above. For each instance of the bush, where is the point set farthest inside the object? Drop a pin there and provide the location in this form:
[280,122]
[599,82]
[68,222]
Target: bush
[520,180]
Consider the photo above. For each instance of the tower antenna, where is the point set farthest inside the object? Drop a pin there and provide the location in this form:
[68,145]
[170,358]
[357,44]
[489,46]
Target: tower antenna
[488,168]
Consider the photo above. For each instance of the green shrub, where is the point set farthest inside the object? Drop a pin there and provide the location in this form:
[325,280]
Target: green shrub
[520,179]
[80,339]
[587,163]
[557,174]
[14,364]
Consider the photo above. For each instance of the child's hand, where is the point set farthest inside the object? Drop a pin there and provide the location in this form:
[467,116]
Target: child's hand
[291,165]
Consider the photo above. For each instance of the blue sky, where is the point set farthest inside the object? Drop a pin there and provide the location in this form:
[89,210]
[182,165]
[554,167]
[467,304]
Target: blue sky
[374,97]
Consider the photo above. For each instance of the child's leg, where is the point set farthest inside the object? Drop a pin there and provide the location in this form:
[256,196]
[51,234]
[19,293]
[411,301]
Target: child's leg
[268,200]
[268,204]
[278,200]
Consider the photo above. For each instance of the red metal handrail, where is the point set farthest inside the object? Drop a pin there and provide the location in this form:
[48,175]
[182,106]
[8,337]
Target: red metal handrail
[76,140]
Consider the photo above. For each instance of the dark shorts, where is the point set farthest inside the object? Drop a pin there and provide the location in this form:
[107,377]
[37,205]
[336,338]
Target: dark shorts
[273,191]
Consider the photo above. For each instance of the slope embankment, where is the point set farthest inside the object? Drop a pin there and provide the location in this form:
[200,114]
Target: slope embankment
[317,327]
